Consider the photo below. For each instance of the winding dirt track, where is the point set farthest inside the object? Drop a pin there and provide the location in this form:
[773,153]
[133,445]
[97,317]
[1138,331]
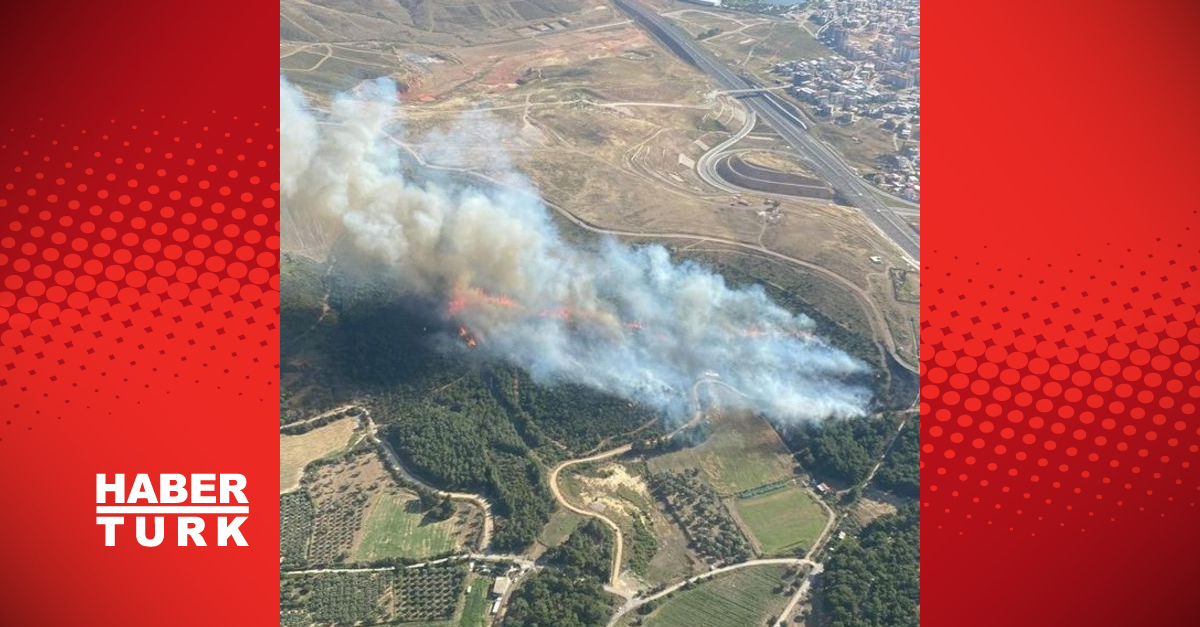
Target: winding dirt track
[485,536]
[618,542]
[614,578]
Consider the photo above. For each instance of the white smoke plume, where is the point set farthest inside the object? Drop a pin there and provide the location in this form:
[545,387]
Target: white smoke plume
[621,319]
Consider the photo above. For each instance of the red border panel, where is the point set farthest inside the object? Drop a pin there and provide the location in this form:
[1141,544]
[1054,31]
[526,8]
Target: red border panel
[139,301]
[1060,338]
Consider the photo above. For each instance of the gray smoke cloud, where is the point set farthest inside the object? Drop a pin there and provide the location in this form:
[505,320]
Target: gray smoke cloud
[618,318]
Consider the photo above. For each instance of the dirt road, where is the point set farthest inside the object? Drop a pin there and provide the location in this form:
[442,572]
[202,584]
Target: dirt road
[618,541]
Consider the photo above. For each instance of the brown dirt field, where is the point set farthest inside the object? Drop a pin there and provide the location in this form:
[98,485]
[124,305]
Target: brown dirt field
[620,491]
[867,510]
[776,161]
[297,451]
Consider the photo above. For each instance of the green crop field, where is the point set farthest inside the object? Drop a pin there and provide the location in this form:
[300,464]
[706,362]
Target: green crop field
[475,609]
[393,530]
[743,598]
[742,452]
[784,520]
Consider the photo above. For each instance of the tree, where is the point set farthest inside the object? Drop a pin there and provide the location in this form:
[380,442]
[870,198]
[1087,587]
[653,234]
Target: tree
[875,580]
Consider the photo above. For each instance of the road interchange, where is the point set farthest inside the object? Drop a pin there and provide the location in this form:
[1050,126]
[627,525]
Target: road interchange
[779,116]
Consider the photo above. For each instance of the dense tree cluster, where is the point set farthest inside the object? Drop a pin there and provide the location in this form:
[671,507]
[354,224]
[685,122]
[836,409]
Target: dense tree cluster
[457,420]
[901,470]
[698,509]
[470,445]
[573,415]
[875,580]
[300,304]
[841,450]
[587,552]
[571,592]
[434,505]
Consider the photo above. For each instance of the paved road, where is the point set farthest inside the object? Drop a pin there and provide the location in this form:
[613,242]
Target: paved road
[779,116]
[706,166]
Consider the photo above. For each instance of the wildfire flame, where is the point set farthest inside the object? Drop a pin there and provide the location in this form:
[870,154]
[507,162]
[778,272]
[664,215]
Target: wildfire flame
[466,336]
[464,298]
[468,298]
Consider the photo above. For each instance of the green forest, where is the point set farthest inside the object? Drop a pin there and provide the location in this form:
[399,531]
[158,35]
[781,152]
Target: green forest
[901,470]
[874,580]
[457,420]
[843,451]
[572,593]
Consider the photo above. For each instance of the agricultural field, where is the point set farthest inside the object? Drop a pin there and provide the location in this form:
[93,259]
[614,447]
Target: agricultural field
[476,605]
[784,521]
[395,527]
[747,597]
[403,595]
[362,515]
[298,451]
[698,509]
[295,528]
[742,452]
[337,598]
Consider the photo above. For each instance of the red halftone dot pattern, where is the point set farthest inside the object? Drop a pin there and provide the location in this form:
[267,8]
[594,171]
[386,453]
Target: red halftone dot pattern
[123,269]
[1065,398]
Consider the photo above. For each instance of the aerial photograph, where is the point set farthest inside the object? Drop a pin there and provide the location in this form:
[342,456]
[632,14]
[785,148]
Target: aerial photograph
[599,313]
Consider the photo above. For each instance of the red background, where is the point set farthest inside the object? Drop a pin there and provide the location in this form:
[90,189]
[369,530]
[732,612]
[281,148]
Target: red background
[138,311]
[1064,139]
[1059,281]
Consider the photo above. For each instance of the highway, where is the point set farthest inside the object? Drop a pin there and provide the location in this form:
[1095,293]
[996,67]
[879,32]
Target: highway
[779,116]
